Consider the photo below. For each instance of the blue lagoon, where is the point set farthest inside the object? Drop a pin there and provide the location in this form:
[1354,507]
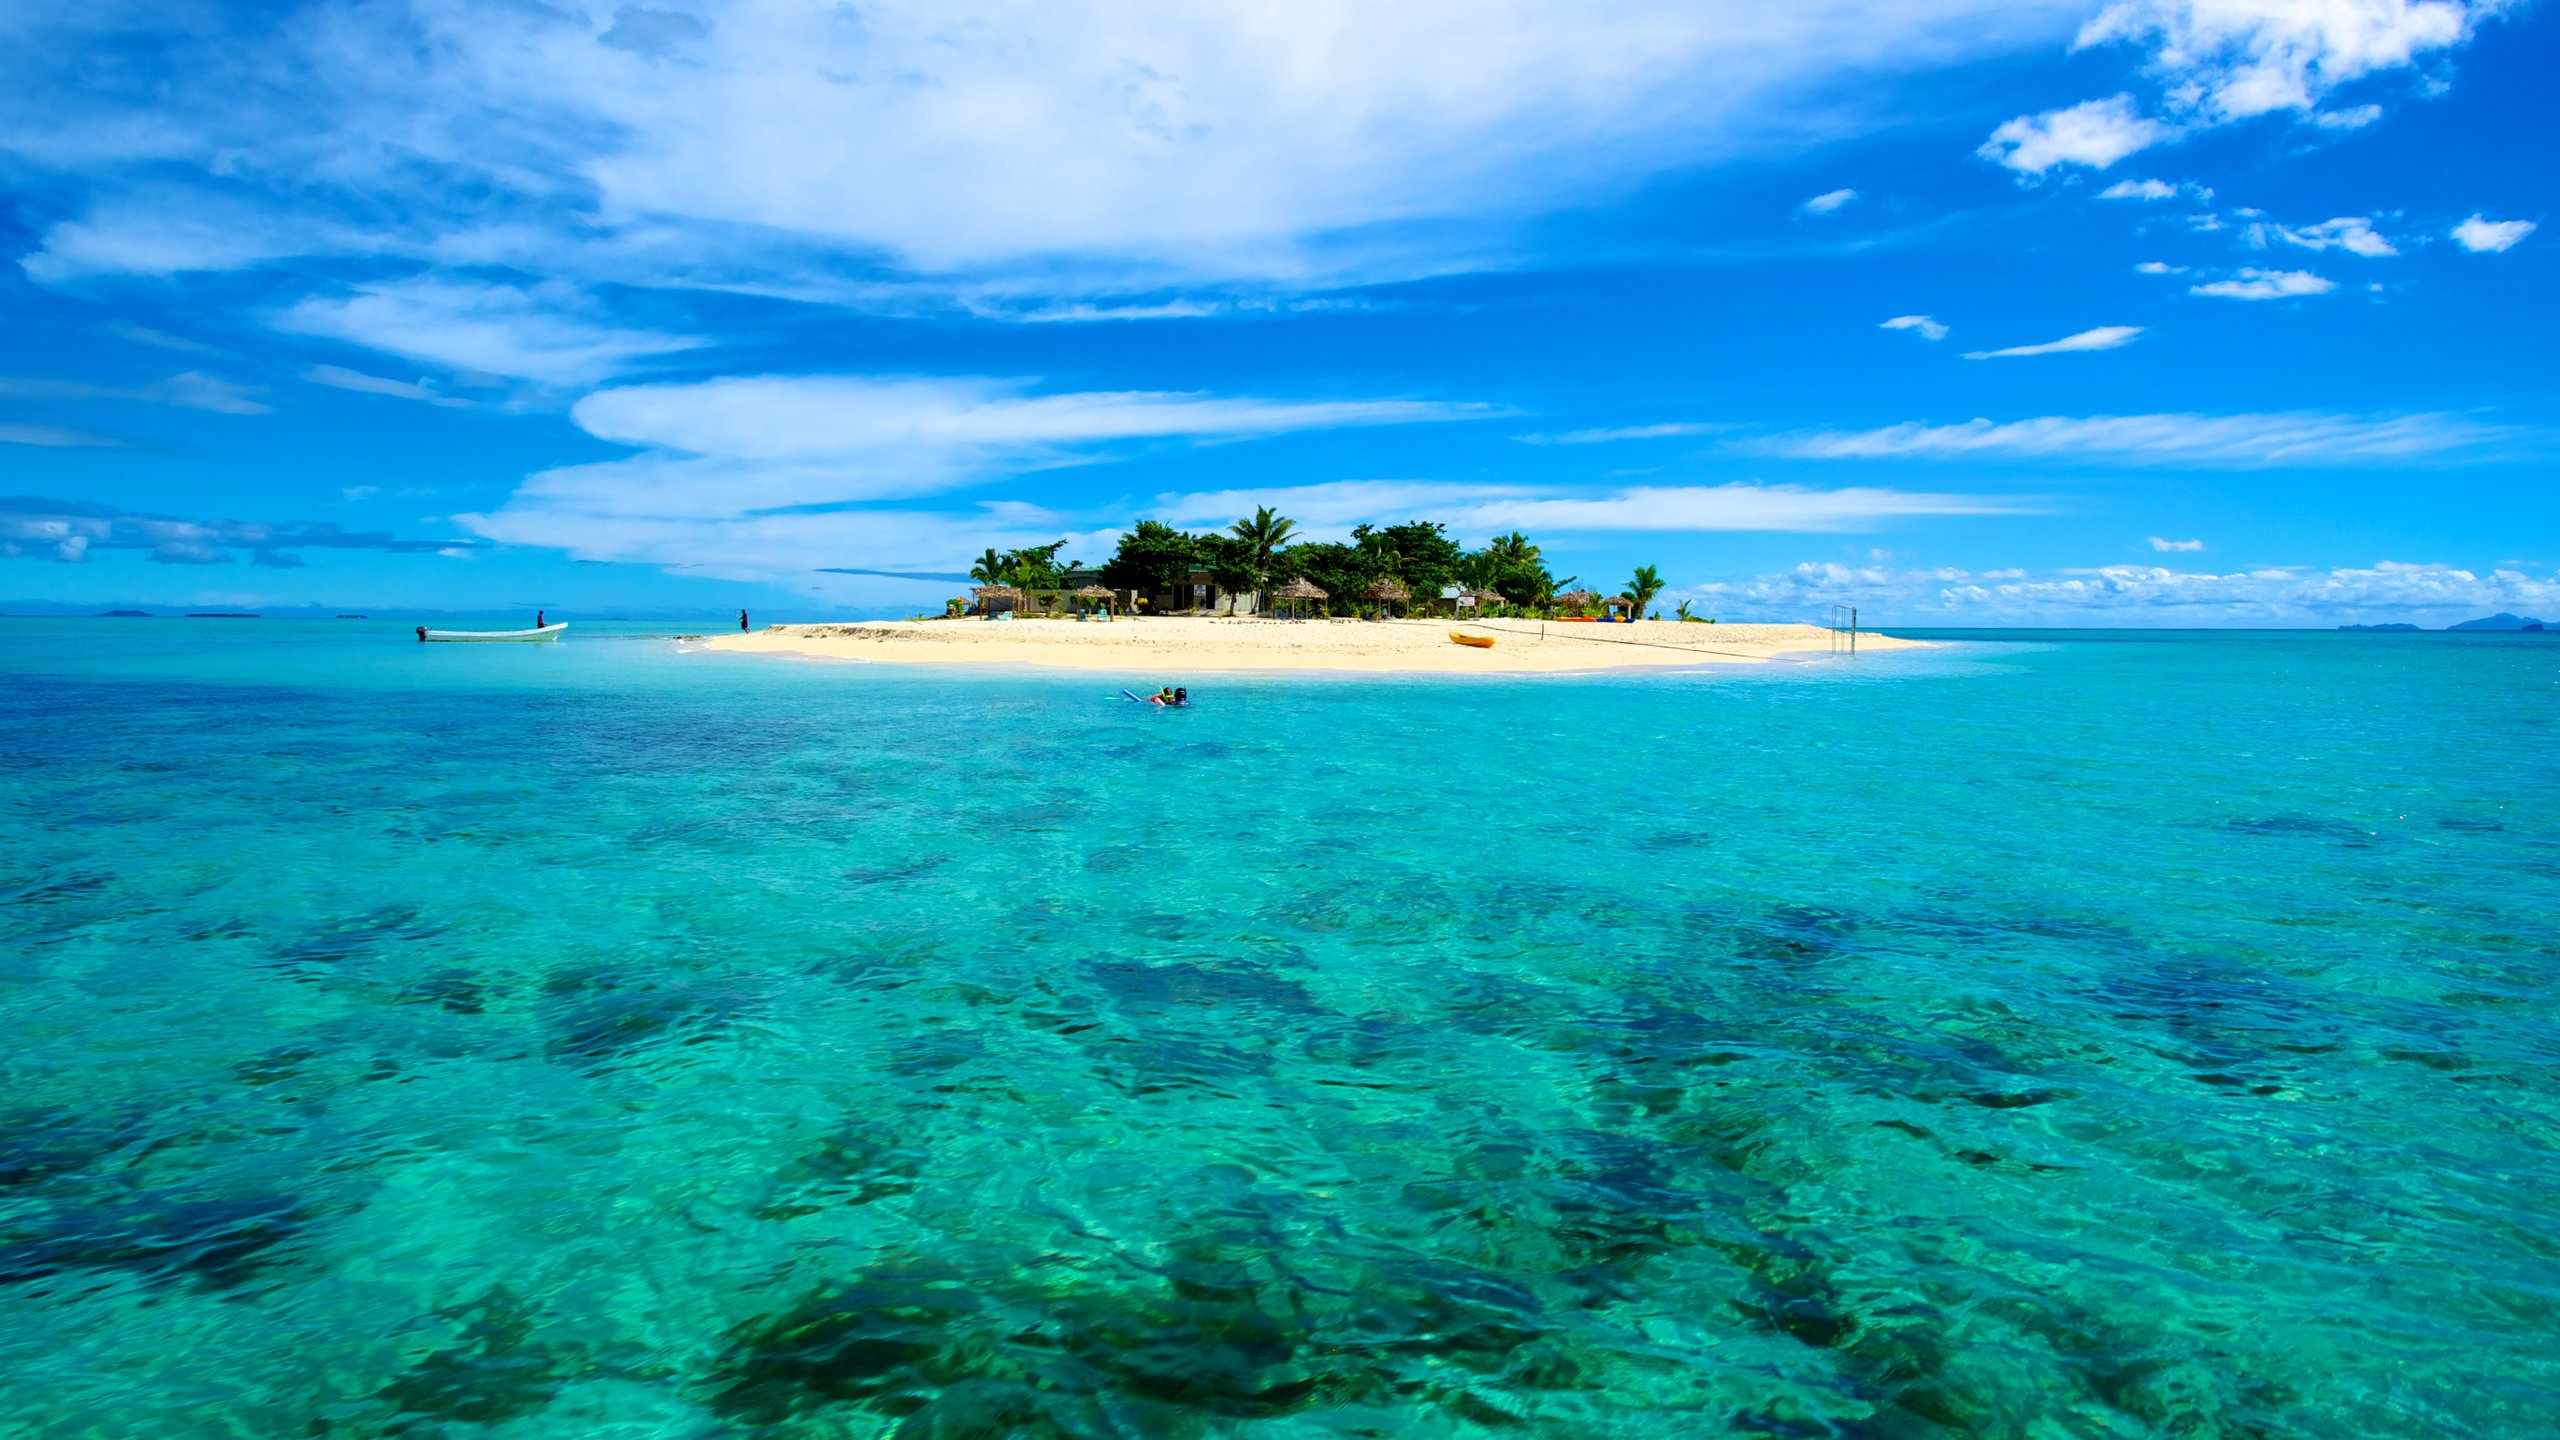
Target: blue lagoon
[2045,1035]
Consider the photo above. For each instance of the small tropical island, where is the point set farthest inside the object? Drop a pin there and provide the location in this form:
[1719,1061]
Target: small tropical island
[1401,598]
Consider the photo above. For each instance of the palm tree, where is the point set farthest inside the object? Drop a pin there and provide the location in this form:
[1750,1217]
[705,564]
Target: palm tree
[1265,533]
[989,570]
[1682,610]
[1642,589]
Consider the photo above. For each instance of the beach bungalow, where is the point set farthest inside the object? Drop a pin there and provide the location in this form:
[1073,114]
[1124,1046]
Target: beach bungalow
[1385,594]
[1198,593]
[1298,593]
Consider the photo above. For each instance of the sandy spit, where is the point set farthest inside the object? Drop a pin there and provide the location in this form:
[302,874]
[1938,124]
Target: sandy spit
[1178,645]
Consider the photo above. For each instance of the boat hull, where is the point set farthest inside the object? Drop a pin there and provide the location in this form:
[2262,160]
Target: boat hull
[547,632]
[1480,642]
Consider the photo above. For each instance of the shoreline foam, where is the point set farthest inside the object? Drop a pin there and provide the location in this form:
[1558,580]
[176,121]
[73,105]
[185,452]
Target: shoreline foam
[1203,644]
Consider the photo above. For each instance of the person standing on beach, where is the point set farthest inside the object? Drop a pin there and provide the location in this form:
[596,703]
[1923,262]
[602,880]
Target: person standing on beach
[742,622]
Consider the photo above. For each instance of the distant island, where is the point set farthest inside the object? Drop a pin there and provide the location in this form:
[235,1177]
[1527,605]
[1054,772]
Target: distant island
[219,615]
[124,615]
[2500,621]
[351,617]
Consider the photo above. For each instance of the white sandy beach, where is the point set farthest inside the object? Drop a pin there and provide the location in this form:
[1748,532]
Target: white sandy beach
[1179,645]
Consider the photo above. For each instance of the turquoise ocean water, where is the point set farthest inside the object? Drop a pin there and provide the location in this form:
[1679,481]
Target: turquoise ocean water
[2042,1036]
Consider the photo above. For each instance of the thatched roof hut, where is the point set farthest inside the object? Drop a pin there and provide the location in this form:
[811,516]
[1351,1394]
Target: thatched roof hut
[1576,598]
[984,594]
[1095,592]
[1485,597]
[1386,590]
[1301,589]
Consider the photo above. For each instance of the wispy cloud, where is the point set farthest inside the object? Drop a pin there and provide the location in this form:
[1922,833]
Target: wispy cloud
[773,474]
[1479,509]
[2095,133]
[2104,337]
[56,437]
[1610,434]
[1927,328]
[1828,201]
[338,377]
[73,531]
[188,390]
[2167,546]
[2242,441]
[2479,235]
[2254,284]
[552,333]
[144,334]
[2143,594]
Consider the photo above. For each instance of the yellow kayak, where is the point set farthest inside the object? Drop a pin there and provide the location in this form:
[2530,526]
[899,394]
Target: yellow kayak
[1481,642]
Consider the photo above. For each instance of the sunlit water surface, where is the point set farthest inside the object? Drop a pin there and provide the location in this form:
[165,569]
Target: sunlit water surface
[2093,1036]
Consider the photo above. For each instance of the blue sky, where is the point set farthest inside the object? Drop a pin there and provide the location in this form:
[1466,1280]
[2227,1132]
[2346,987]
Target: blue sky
[2139,313]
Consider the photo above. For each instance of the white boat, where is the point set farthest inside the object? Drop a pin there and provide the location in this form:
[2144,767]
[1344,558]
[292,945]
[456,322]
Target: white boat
[547,632]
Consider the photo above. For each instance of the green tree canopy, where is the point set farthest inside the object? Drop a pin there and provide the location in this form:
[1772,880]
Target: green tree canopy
[1152,556]
[1036,568]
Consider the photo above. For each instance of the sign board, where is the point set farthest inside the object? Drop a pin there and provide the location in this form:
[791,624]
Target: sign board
[1452,592]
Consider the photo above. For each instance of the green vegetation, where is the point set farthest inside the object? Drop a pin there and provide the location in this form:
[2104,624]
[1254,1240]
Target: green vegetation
[1036,568]
[1642,589]
[1255,555]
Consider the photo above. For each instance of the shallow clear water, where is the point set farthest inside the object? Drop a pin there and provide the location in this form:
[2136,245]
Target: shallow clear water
[2078,1036]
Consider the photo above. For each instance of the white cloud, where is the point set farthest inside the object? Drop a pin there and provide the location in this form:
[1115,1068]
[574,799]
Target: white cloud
[1623,432]
[2159,267]
[2231,59]
[2479,235]
[2220,61]
[2351,233]
[2139,190]
[341,378]
[2354,117]
[2167,546]
[546,332]
[1073,146]
[2255,284]
[1929,329]
[2245,440]
[1828,201]
[2143,594]
[2095,133]
[2104,337]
